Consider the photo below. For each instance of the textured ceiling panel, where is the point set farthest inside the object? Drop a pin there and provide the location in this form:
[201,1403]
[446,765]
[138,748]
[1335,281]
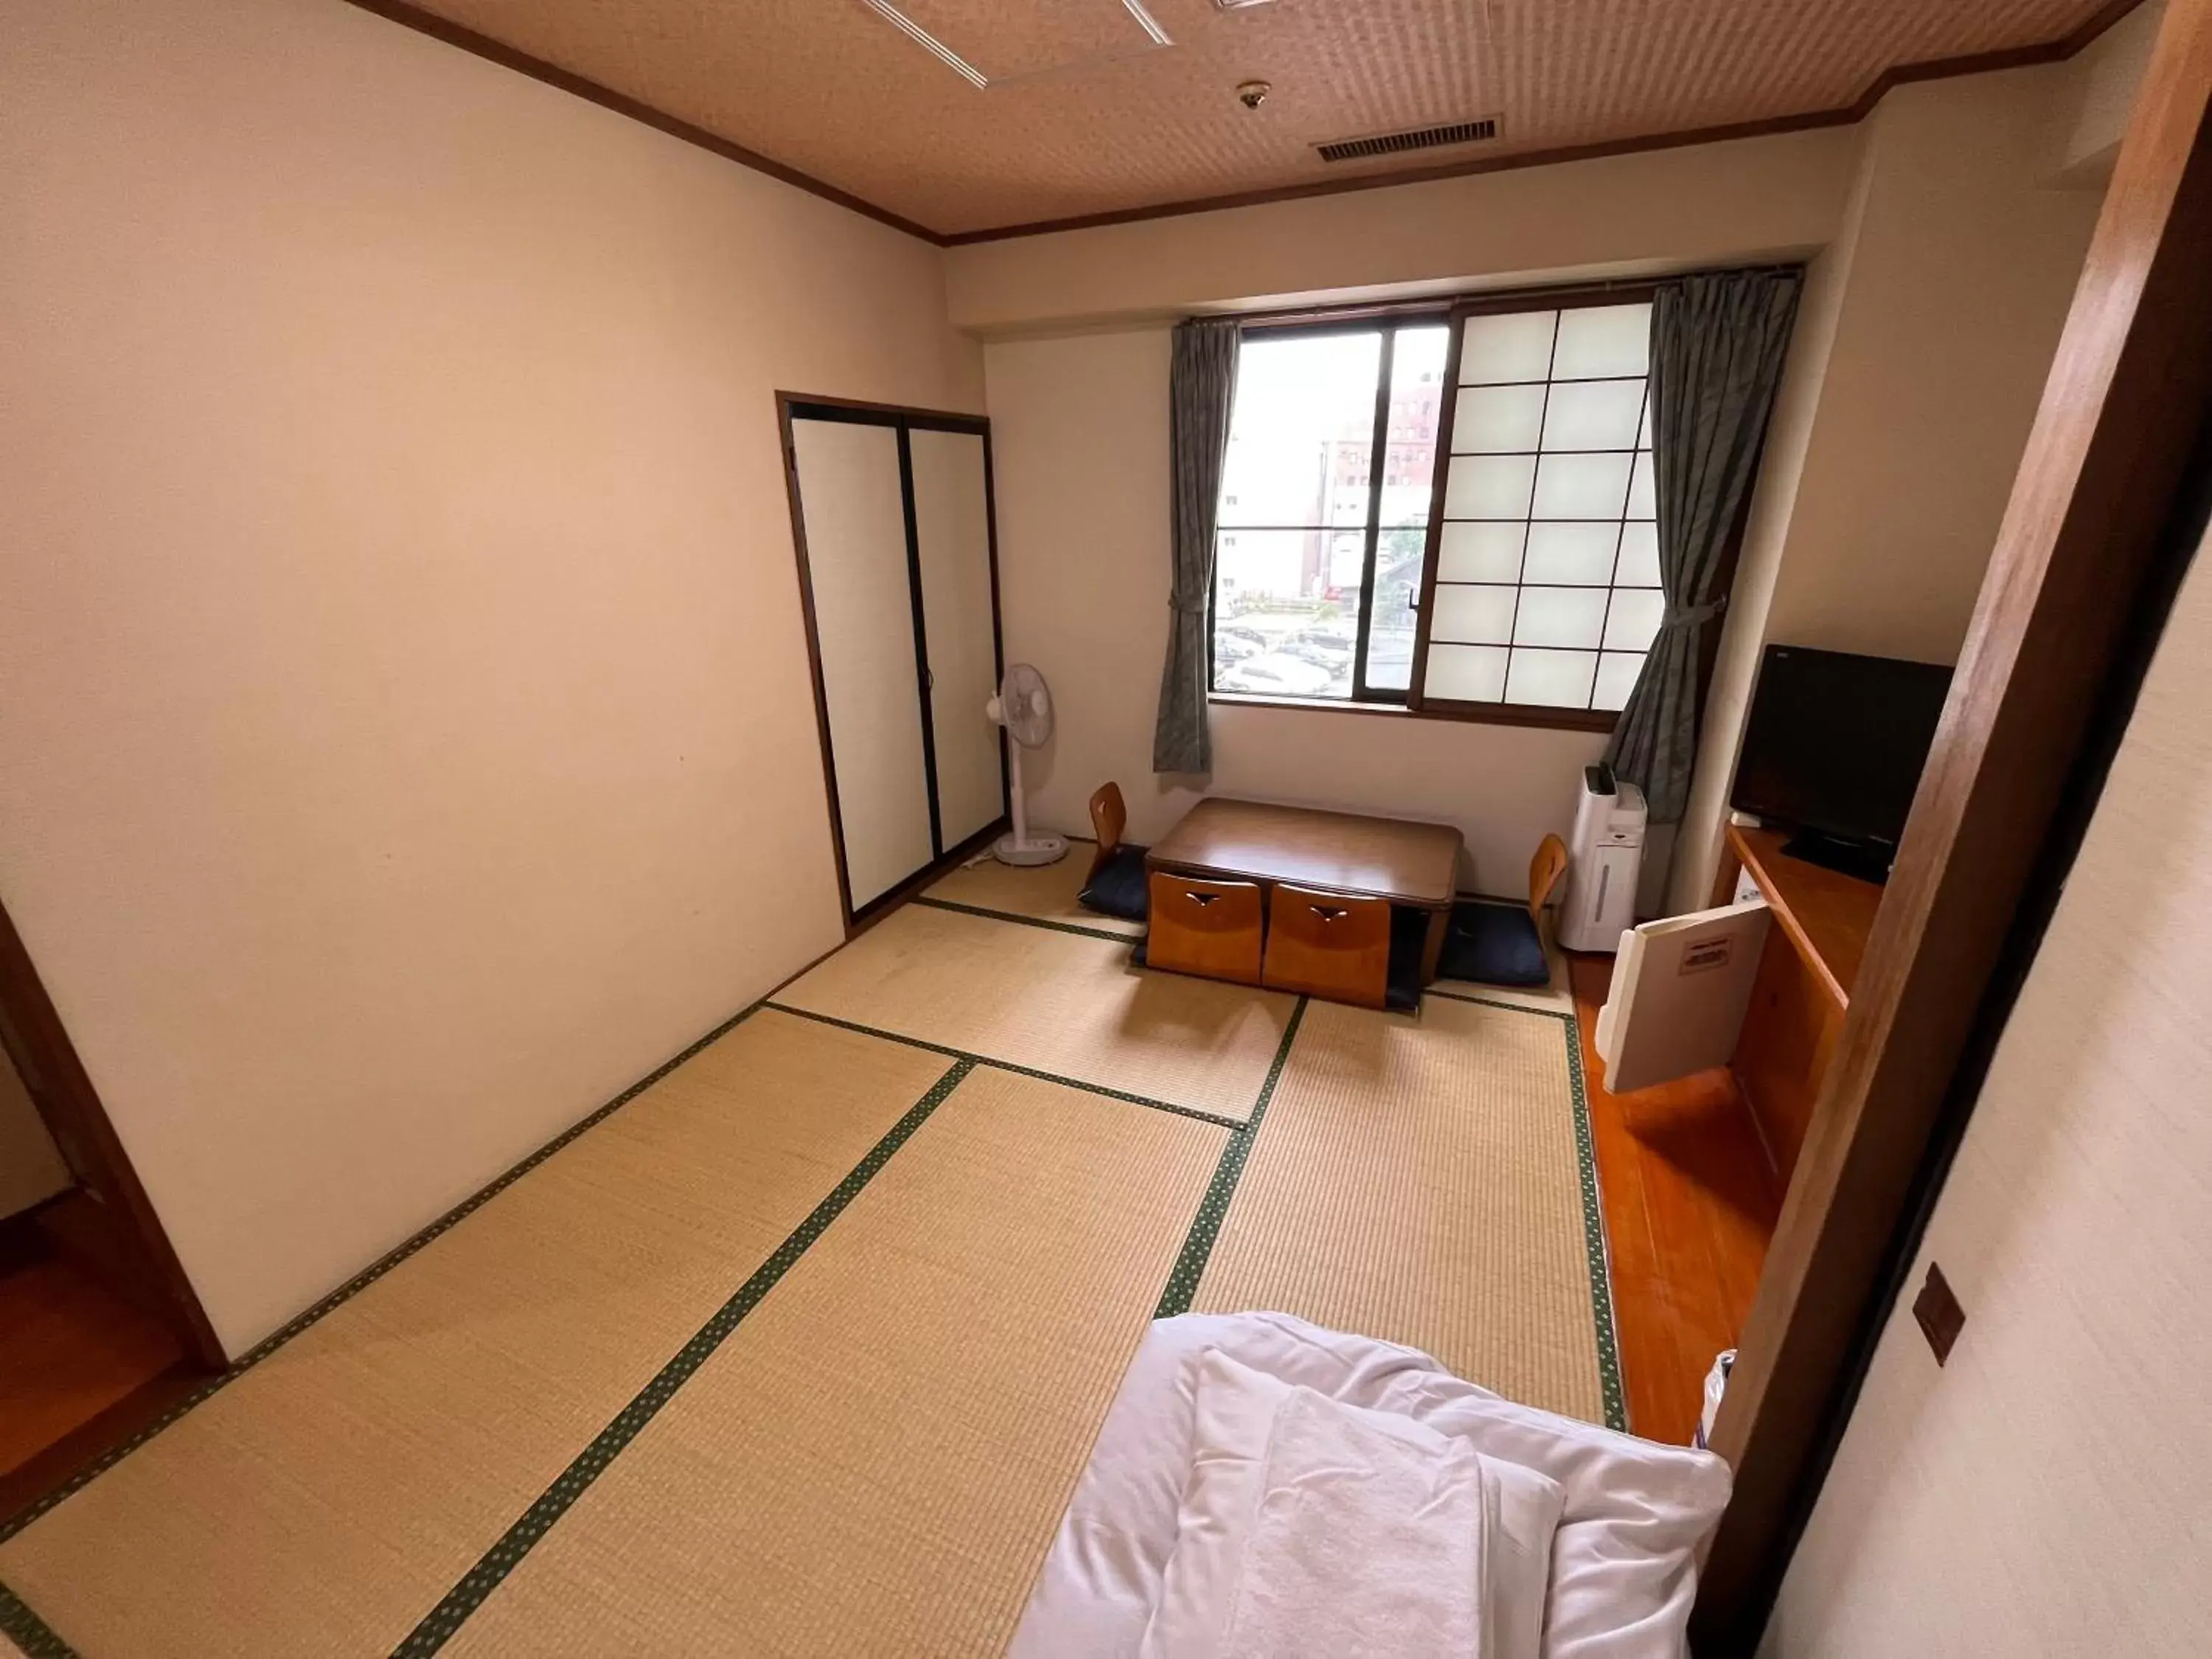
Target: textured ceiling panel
[1095,120]
[1040,37]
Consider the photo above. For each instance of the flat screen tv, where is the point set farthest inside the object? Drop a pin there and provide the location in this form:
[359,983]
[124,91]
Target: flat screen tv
[1834,750]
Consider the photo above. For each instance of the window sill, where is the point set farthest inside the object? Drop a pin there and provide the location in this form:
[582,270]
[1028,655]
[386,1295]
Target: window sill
[1560,719]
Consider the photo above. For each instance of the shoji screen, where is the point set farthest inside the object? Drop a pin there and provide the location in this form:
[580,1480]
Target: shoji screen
[853,513]
[1546,586]
[952,543]
[892,510]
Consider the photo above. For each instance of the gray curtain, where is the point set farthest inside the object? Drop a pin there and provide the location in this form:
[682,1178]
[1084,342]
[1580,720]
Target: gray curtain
[1202,383]
[1717,348]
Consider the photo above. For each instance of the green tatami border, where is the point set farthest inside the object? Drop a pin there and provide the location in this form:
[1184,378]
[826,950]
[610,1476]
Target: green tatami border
[39,1641]
[1213,1208]
[1214,1118]
[1594,1240]
[29,1631]
[22,1623]
[439,1626]
[1075,927]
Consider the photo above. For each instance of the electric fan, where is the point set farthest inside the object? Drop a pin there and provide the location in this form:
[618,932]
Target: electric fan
[1023,707]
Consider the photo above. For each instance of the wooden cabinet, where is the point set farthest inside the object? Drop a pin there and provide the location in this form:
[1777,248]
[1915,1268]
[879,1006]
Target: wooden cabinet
[1802,990]
[1788,1032]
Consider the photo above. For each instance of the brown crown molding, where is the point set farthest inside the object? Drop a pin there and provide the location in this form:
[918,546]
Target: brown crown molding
[1933,69]
[506,56]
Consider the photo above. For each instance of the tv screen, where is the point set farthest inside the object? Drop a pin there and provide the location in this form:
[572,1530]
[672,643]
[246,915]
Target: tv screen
[1835,744]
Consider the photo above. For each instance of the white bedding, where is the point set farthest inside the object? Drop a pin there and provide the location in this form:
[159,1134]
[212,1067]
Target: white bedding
[1622,1577]
[1310,1527]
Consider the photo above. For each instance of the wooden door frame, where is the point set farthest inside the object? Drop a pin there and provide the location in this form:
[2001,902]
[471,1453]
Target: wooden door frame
[61,1092]
[902,420]
[2104,466]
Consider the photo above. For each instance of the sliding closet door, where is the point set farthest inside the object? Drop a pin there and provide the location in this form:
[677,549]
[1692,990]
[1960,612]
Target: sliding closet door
[852,515]
[952,545]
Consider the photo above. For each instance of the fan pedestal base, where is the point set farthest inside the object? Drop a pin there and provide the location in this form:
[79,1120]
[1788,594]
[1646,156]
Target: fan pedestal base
[1034,849]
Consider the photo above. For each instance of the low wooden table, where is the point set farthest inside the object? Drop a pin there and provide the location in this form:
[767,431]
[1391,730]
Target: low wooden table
[1415,865]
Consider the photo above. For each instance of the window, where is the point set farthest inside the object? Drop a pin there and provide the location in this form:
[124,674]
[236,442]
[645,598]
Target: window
[1546,592]
[1324,510]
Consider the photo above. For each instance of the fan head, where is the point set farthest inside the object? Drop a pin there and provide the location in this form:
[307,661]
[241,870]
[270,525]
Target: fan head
[1025,706]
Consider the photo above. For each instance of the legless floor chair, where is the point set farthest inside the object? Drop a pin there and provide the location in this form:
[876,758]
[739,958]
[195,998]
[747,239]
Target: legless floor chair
[1328,944]
[1116,886]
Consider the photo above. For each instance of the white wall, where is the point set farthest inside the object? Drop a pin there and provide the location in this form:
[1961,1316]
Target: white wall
[2045,1492]
[1079,430]
[1943,257]
[407,739]
[1927,331]
[1962,268]
[1078,410]
[1662,209]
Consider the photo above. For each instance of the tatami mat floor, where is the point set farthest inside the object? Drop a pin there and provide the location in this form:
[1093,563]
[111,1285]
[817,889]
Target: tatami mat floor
[801,1349]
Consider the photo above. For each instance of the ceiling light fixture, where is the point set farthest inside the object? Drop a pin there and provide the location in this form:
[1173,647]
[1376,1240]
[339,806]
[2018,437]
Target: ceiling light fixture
[921,37]
[1150,24]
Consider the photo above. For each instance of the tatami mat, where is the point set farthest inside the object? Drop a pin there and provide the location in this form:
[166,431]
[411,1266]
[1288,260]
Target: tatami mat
[875,1462]
[324,1500]
[1419,1180]
[1043,892]
[1055,1002]
[527,1426]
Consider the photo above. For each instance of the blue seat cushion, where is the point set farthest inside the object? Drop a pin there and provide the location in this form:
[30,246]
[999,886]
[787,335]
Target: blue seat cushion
[1494,944]
[1120,888]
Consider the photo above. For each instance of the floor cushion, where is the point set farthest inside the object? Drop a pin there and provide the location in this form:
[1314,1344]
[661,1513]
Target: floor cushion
[1496,944]
[1118,887]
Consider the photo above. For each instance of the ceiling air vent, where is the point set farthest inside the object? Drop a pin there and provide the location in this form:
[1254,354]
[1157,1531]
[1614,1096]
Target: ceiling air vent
[1393,143]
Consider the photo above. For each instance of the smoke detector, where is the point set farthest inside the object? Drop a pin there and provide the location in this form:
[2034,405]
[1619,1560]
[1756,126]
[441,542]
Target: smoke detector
[1253,94]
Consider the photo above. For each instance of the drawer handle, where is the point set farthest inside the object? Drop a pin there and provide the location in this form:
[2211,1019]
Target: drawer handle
[1330,912]
[1201,898]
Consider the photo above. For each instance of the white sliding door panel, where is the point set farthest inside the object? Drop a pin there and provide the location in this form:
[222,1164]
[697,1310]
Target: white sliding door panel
[854,516]
[952,534]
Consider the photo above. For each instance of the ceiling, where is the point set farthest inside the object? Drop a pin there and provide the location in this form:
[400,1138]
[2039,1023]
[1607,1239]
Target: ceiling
[1081,112]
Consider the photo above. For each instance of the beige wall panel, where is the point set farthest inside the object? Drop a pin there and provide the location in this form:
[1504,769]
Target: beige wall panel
[407,739]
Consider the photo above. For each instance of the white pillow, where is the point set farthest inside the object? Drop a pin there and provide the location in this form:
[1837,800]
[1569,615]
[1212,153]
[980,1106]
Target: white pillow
[1623,1561]
[1311,1526]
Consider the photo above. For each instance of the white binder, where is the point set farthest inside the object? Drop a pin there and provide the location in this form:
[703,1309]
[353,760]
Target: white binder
[1679,988]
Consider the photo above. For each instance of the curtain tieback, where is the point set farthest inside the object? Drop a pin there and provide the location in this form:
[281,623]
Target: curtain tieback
[1693,616]
[1183,607]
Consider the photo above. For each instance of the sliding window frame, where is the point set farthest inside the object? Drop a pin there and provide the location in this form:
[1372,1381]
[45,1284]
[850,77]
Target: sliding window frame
[1386,320]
